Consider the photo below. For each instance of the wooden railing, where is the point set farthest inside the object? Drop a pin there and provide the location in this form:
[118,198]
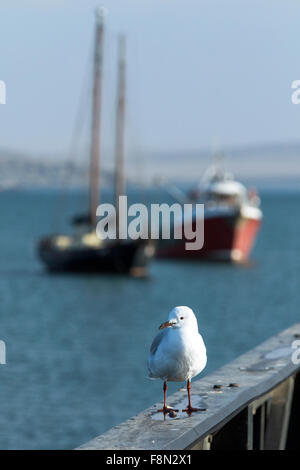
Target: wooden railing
[251,403]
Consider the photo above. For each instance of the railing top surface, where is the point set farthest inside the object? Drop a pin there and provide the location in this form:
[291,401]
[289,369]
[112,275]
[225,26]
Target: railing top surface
[256,372]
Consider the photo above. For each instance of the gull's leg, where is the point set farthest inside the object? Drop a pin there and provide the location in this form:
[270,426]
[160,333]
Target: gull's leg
[189,409]
[166,409]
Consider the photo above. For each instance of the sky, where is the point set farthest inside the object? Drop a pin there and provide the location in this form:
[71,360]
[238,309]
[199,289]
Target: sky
[199,72]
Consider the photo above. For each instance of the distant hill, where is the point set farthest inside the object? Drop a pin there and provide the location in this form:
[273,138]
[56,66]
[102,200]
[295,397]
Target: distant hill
[265,165]
[21,170]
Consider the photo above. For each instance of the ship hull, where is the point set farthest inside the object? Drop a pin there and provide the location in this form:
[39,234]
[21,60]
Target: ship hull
[124,257]
[229,235]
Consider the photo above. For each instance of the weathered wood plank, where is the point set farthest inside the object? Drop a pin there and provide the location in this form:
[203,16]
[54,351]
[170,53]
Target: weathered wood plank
[257,372]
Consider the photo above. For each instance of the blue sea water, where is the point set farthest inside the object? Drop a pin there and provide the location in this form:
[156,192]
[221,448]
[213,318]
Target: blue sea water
[77,345]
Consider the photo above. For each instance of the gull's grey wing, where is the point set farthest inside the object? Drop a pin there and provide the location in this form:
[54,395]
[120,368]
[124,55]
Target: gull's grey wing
[157,340]
[154,346]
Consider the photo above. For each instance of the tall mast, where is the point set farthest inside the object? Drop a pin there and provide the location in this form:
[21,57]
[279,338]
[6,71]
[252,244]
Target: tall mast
[120,126]
[96,121]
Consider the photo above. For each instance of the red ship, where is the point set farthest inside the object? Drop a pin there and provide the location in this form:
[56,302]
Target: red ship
[232,218]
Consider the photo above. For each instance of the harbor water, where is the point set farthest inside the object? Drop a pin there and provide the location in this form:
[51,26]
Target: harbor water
[77,345]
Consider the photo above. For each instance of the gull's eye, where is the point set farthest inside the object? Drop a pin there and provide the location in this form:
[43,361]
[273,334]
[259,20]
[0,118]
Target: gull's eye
[181,318]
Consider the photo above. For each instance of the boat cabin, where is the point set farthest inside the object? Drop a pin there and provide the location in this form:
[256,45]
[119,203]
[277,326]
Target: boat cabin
[226,192]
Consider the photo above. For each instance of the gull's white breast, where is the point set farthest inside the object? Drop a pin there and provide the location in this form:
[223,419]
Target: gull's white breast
[177,354]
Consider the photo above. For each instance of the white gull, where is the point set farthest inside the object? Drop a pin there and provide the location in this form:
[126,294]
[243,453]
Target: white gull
[178,352]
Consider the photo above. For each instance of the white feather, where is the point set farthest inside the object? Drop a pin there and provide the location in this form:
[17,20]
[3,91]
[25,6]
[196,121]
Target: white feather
[178,352]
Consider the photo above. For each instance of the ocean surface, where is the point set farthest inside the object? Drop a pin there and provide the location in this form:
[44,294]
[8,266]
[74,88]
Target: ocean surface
[77,346]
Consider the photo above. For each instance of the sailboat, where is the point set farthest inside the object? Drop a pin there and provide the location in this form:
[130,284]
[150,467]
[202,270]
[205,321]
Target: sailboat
[85,251]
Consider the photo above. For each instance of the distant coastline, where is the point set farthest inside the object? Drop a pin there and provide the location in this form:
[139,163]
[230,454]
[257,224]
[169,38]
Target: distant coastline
[266,166]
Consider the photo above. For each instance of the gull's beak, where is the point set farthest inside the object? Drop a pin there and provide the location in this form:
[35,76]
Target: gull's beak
[166,324]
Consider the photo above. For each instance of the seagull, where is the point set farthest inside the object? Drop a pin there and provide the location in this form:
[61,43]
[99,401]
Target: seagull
[177,353]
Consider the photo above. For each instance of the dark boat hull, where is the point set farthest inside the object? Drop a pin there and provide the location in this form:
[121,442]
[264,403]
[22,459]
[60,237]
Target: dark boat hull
[126,256]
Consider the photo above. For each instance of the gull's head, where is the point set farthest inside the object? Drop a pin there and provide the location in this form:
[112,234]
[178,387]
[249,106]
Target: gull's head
[181,317]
